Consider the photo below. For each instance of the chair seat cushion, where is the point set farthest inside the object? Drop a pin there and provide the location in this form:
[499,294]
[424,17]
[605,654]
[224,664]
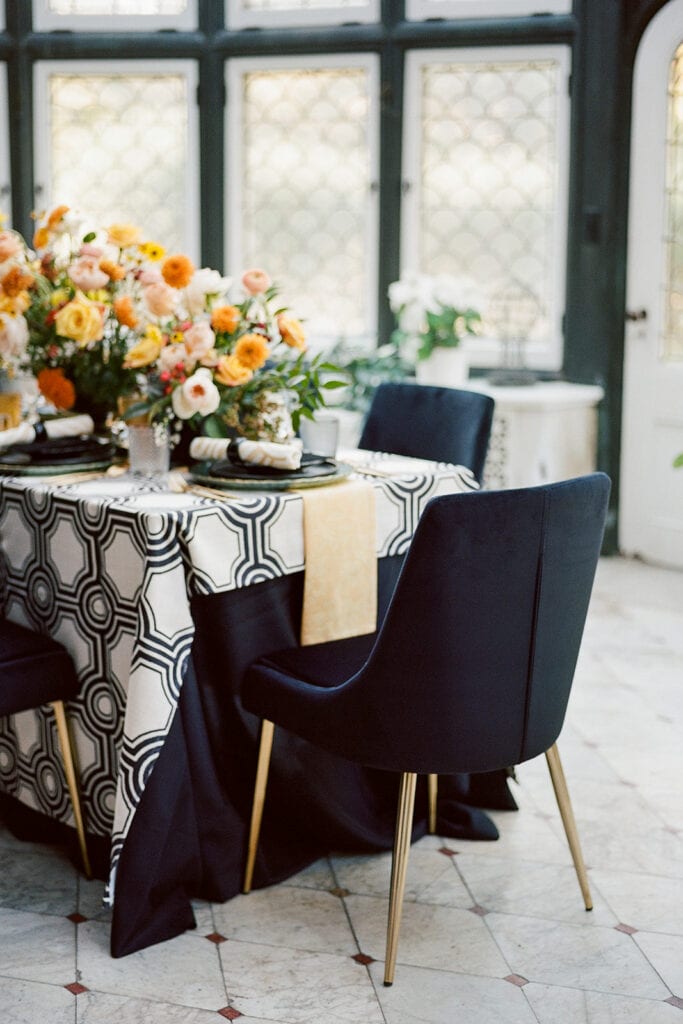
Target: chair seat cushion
[327,664]
[34,669]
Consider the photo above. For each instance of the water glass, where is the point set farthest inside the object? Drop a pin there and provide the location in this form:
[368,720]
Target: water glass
[321,434]
[149,451]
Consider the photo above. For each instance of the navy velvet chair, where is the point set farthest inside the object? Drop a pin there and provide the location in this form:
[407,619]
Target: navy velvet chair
[472,667]
[443,424]
[37,670]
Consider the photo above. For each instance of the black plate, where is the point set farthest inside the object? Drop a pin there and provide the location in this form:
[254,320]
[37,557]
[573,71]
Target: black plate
[62,451]
[311,466]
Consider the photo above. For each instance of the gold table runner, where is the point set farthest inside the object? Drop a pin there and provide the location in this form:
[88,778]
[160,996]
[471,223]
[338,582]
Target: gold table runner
[340,581]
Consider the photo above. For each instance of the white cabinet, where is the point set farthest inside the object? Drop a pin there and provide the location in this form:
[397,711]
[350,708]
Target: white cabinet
[541,432]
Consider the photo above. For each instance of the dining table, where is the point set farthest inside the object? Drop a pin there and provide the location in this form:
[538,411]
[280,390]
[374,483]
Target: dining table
[164,590]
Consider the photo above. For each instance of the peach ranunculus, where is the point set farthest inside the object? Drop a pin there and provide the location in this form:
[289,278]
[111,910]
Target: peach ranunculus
[199,340]
[80,320]
[123,235]
[224,319]
[256,281]
[160,298]
[291,331]
[231,372]
[13,336]
[10,245]
[87,275]
[171,356]
[177,270]
[114,271]
[124,312]
[149,275]
[145,352]
[198,394]
[88,249]
[252,350]
[41,238]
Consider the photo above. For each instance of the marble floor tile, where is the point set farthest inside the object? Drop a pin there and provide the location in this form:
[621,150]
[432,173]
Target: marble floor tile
[532,890]
[43,883]
[444,938]
[103,1008]
[572,1006]
[600,959]
[37,947]
[611,845]
[316,876]
[90,896]
[439,997]
[526,836]
[665,953]
[432,877]
[647,902]
[286,916]
[28,1002]
[292,987]
[184,970]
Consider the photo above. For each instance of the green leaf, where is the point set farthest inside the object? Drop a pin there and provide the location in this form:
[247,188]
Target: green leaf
[330,385]
[214,426]
[678,461]
[90,237]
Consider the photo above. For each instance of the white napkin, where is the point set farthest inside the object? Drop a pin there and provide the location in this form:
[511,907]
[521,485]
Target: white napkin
[62,426]
[257,453]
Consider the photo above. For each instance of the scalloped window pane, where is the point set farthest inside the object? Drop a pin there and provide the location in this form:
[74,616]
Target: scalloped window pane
[673,321]
[118,7]
[300,5]
[306,198]
[489,194]
[119,151]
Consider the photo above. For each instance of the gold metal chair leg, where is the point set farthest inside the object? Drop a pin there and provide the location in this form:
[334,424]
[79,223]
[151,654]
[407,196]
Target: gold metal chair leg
[552,756]
[399,867]
[432,789]
[71,781]
[262,767]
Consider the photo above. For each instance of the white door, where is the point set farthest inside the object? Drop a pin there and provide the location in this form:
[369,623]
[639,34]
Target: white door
[651,506]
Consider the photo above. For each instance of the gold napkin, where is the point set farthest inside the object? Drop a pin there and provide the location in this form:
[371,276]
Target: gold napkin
[340,581]
[10,410]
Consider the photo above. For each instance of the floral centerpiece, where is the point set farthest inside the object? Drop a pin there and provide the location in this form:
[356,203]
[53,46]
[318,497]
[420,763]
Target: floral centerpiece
[432,312]
[103,315]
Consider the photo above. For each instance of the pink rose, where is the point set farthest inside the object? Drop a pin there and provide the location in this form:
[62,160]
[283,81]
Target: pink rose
[149,275]
[255,281]
[170,356]
[86,274]
[10,245]
[199,340]
[161,299]
[88,249]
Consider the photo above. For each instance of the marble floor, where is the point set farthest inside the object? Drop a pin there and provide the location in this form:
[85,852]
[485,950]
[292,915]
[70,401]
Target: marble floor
[493,933]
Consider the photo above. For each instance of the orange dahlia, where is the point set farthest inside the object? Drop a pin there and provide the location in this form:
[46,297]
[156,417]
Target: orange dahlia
[177,270]
[16,281]
[252,351]
[114,271]
[124,312]
[57,388]
[224,319]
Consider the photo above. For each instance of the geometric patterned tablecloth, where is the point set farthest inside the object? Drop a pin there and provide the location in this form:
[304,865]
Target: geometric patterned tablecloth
[108,567]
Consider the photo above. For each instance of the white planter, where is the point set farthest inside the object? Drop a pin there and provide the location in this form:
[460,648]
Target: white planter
[445,367]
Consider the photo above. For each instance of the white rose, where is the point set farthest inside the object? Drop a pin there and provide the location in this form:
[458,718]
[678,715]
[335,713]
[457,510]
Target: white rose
[13,336]
[457,292]
[204,282]
[197,394]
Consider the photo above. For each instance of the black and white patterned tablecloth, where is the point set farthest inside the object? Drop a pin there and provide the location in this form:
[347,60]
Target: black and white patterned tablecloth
[107,567]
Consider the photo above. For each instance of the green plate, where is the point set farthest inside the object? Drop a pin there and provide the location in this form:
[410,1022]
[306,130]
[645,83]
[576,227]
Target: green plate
[199,474]
[53,468]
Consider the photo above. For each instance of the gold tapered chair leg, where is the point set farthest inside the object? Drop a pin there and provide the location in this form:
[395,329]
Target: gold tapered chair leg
[71,781]
[552,756]
[399,867]
[432,789]
[262,767]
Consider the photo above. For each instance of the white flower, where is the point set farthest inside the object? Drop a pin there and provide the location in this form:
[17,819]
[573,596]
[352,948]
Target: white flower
[170,356]
[459,293]
[204,282]
[197,394]
[13,336]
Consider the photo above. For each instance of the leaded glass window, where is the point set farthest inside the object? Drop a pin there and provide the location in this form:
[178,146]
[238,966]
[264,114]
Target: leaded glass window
[242,13]
[485,197]
[115,15]
[420,9]
[120,145]
[301,192]
[673,319]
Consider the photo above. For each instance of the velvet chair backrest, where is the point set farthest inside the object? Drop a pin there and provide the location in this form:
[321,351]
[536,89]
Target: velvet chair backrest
[473,665]
[34,669]
[443,424]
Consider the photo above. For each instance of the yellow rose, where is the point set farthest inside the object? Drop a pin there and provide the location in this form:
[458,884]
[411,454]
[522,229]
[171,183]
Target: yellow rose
[231,372]
[145,352]
[123,235]
[291,331]
[80,320]
[59,297]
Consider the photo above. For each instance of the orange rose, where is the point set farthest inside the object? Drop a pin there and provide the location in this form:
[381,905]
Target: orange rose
[292,332]
[231,372]
[56,388]
[123,311]
[224,319]
[252,351]
[114,271]
[177,270]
